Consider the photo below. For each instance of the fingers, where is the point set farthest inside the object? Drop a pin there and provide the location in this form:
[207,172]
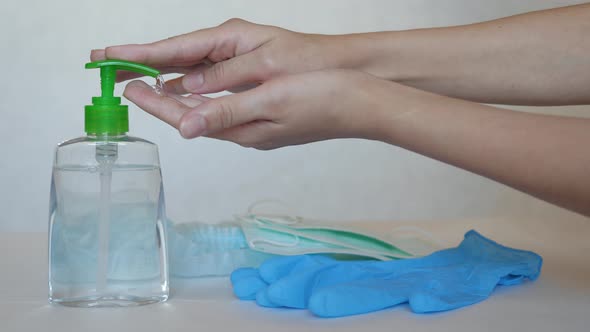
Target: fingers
[216,44]
[263,300]
[182,50]
[127,75]
[293,289]
[357,297]
[166,108]
[97,55]
[217,115]
[229,46]
[100,54]
[236,118]
[246,283]
[191,100]
[242,273]
[235,72]
[176,85]
[275,269]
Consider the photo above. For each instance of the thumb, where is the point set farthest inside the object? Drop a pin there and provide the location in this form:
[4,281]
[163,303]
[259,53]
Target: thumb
[222,113]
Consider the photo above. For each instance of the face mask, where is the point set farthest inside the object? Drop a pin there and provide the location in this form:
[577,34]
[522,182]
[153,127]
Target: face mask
[283,235]
[197,249]
[200,250]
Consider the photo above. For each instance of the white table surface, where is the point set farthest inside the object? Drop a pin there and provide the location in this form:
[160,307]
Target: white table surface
[558,301]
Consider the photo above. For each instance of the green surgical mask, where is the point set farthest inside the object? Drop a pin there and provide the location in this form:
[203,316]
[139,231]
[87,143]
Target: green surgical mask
[283,235]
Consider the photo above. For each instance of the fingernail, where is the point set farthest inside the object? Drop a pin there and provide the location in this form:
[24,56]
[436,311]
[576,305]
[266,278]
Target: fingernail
[97,54]
[193,125]
[193,81]
[133,88]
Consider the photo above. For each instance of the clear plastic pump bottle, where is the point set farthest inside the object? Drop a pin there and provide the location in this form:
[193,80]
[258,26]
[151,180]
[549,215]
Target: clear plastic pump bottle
[107,229]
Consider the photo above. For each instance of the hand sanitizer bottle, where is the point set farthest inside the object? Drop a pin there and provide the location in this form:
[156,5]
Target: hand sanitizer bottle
[107,229]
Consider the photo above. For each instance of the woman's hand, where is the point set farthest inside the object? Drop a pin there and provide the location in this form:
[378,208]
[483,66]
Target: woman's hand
[538,58]
[537,154]
[289,110]
[238,54]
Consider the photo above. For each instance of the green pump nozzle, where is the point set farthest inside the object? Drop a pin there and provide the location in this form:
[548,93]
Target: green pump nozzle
[106,115]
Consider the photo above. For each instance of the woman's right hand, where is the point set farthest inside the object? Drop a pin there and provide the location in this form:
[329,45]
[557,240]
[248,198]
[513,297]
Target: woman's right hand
[238,54]
[288,110]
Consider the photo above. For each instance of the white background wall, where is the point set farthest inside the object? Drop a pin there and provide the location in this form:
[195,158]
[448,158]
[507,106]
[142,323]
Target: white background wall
[44,88]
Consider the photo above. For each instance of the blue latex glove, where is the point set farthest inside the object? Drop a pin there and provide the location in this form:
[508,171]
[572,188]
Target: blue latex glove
[447,279]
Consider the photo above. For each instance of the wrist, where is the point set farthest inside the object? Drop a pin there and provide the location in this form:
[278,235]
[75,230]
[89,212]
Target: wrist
[382,109]
[402,115]
[365,52]
[402,56]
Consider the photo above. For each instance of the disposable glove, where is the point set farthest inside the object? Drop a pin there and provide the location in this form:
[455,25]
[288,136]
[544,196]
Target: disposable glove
[447,279]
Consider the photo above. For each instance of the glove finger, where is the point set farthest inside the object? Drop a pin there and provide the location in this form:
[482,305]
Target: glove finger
[247,282]
[263,300]
[294,290]
[247,287]
[277,268]
[424,302]
[358,297]
[511,279]
[476,247]
[242,273]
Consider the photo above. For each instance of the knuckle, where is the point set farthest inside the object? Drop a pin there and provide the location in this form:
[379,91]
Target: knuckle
[265,145]
[269,65]
[258,142]
[108,51]
[217,72]
[276,104]
[225,115]
[233,21]
[180,52]
[247,143]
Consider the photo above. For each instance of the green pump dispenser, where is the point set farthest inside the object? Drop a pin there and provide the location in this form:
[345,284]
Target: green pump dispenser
[106,115]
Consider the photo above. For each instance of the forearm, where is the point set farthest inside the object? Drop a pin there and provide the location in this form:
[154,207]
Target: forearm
[545,156]
[539,58]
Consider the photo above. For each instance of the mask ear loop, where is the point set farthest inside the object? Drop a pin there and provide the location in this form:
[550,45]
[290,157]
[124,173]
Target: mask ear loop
[281,220]
[279,203]
[284,219]
[264,220]
[297,240]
